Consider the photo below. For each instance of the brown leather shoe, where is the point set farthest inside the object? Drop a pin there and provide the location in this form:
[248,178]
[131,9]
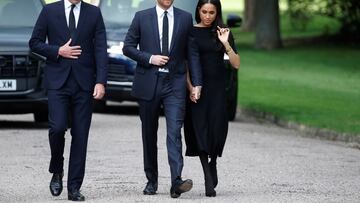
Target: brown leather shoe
[180,186]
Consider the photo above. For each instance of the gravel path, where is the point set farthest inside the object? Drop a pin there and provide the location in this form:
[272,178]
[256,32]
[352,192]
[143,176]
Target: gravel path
[260,163]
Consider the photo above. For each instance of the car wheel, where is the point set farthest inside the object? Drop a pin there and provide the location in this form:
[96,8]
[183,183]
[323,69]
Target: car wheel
[41,117]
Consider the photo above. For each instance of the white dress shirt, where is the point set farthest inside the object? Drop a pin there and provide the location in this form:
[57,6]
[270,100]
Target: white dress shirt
[160,17]
[68,4]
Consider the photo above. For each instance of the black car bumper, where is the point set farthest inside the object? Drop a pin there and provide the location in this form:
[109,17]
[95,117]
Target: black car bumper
[26,102]
[119,91]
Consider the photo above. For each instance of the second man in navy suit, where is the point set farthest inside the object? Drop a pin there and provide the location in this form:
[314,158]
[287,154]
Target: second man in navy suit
[71,35]
[162,34]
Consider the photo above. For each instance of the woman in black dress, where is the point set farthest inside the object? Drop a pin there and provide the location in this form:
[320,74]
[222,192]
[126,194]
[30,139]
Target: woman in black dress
[206,121]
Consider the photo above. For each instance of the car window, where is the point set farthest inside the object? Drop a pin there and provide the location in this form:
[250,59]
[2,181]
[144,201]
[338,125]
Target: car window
[121,12]
[19,13]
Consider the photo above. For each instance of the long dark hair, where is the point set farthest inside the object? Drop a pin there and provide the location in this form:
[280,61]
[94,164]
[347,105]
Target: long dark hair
[218,20]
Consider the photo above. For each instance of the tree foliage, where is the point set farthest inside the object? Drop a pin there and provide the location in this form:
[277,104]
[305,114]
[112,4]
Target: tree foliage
[346,11]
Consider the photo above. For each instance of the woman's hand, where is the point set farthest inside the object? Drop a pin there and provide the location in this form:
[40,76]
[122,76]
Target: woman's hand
[223,34]
[192,98]
[195,94]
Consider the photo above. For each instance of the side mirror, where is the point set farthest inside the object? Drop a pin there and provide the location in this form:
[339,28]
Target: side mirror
[233,20]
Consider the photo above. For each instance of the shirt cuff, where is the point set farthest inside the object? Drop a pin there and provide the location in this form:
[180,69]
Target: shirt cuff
[150,59]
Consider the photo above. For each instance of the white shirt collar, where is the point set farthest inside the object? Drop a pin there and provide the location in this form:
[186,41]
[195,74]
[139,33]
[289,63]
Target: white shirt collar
[68,4]
[160,11]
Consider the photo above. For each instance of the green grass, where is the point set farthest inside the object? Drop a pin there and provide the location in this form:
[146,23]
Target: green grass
[315,84]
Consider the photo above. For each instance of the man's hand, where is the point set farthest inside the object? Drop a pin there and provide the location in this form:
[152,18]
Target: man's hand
[71,52]
[159,60]
[99,91]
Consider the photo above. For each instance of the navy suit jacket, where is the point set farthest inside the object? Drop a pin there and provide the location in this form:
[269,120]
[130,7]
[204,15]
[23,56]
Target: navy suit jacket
[91,66]
[145,33]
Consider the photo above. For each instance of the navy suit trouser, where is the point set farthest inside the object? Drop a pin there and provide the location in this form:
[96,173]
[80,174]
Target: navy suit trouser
[71,100]
[174,110]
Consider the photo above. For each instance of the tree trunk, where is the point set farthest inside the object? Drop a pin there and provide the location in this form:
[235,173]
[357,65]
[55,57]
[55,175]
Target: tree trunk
[249,16]
[267,25]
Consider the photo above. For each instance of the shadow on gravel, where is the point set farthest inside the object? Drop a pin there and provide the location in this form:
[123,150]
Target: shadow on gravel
[22,125]
[127,110]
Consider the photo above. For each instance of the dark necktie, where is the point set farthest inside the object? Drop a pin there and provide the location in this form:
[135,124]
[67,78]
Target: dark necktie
[72,22]
[165,35]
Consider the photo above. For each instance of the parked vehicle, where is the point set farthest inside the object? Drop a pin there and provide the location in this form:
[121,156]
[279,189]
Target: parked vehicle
[21,75]
[118,15]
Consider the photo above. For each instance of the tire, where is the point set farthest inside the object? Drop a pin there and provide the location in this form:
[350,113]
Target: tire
[99,106]
[41,116]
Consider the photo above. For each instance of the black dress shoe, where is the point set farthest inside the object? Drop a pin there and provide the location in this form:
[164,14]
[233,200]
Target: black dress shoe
[180,186]
[150,188]
[56,184]
[75,195]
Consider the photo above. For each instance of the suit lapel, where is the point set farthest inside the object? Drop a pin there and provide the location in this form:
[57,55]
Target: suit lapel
[155,27]
[81,21]
[177,22]
[62,19]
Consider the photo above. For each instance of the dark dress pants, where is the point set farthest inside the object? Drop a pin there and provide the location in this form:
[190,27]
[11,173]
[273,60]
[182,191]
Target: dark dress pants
[69,99]
[174,110]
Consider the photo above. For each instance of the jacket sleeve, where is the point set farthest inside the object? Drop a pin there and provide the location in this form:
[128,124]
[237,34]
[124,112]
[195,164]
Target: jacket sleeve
[194,60]
[100,50]
[132,40]
[37,42]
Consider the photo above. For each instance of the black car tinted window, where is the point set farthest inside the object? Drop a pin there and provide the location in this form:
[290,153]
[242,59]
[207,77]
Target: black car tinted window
[19,13]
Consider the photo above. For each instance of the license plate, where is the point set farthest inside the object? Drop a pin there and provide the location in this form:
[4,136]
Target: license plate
[7,85]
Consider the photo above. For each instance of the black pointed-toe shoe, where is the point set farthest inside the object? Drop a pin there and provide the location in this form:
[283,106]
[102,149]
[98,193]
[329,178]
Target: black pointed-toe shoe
[56,184]
[150,188]
[180,186]
[76,196]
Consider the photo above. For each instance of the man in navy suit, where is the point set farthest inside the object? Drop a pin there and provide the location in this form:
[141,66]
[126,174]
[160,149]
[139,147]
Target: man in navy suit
[162,34]
[75,73]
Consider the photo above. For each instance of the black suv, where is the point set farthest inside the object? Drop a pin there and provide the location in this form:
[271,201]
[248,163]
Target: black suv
[20,71]
[118,15]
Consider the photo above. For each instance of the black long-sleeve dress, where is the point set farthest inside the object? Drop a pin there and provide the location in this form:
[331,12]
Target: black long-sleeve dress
[206,122]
